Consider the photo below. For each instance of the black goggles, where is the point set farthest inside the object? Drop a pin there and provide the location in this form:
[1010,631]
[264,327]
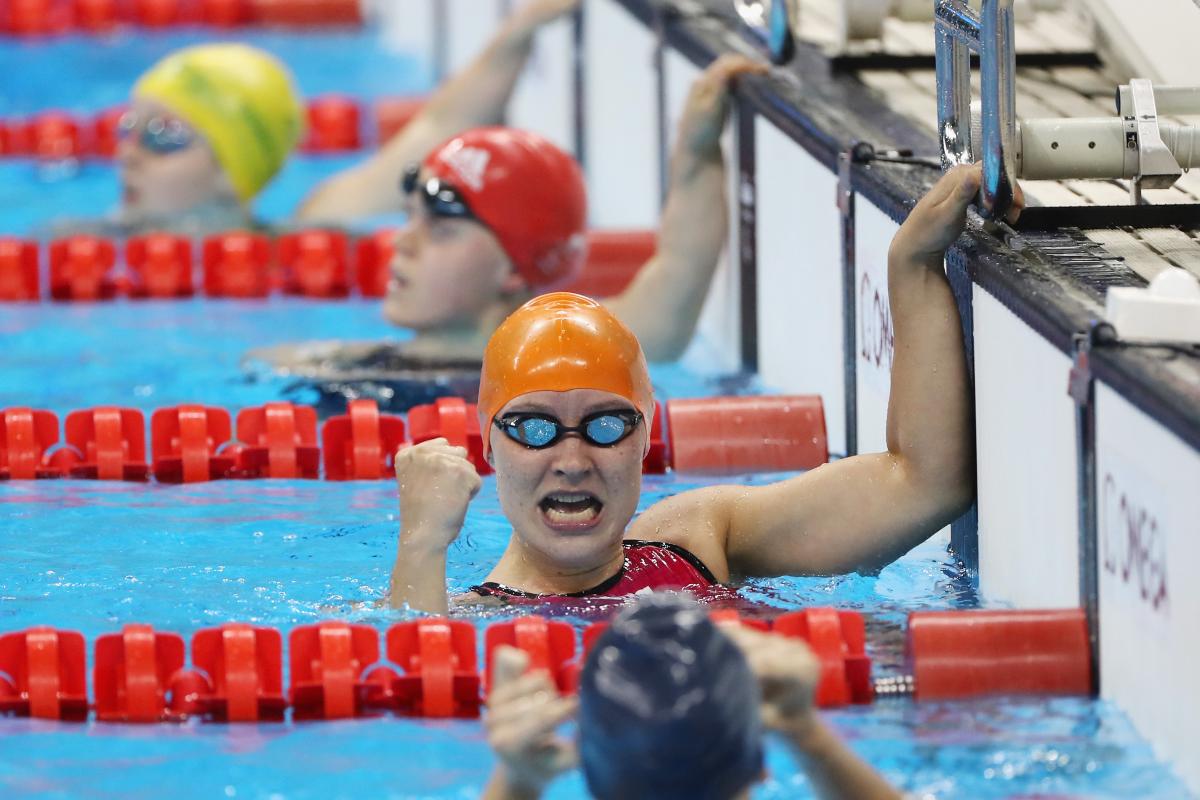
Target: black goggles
[441,198]
[538,431]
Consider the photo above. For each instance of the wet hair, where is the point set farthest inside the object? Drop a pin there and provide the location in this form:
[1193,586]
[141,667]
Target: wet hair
[668,708]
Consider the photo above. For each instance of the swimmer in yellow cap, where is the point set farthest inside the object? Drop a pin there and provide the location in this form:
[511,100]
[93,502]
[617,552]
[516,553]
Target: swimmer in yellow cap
[207,129]
[564,404]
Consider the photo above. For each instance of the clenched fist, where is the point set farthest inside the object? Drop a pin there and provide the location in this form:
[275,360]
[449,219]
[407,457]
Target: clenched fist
[436,482]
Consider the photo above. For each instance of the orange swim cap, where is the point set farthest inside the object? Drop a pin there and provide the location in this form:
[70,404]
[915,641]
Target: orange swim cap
[528,192]
[558,342]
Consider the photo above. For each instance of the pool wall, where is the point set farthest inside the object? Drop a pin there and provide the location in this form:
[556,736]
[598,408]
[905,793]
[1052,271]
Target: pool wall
[780,307]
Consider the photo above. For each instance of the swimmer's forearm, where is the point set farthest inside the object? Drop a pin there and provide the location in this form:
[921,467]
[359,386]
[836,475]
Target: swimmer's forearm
[474,97]
[503,787]
[834,769]
[929,421]
[663,304]
[419,578]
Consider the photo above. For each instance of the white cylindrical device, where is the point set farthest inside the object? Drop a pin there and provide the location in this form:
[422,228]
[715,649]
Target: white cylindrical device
[1098,149]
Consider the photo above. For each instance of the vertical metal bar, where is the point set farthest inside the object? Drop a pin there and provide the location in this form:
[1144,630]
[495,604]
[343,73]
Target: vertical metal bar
[747,229]
[660,101]
[997,64]
[579,65]
[957,33]
[441,41]
[845,203]
[1083,390]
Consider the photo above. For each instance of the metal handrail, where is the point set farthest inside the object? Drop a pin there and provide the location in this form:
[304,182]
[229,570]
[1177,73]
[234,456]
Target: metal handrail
[960,32]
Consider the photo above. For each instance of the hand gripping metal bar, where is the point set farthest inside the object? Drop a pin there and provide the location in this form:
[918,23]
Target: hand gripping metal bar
[959,32]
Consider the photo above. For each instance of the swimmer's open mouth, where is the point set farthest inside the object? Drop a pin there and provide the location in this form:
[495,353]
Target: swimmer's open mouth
[570,510]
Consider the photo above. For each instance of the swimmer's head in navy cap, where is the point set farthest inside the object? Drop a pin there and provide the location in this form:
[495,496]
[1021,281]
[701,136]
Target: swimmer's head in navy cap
[668,708]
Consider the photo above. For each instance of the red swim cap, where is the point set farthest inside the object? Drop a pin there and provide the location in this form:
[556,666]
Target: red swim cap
[527,191]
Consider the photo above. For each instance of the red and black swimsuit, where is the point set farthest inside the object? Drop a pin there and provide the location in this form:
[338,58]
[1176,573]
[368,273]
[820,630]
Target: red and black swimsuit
[647,566]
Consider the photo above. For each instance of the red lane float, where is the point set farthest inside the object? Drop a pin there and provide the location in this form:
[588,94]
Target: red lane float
[731,435]
[373,261]
[109,444]
[81,268]
[245,665]
[55,136]
[614,259]
[158,13]
[95,16]
[19,278]
[392,115]
[105,131]
[957,654]
[12,138]
[237,265]
[440,677]
[550,646]
[315,263]
[279,440]
[327,663]
[185,442]
[657,459]
[159,265]
[361,444]
[132,672]
[26,437]
[306,13]
[47,674]
[334,122]
[37,17]
[838,640]
[453,419]
[225,13]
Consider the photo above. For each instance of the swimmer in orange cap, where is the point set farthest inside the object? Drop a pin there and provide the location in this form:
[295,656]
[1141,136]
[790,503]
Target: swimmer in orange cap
[564,404]
[499,215]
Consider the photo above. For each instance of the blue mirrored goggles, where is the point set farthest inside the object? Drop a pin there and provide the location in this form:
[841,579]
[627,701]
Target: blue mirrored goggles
[441,198]
[538,431]
[159,134]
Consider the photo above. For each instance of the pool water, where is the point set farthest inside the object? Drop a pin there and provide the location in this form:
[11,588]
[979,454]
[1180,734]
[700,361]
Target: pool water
[92,556]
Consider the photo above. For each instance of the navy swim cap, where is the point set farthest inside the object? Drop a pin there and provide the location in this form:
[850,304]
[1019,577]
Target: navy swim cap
[668,708]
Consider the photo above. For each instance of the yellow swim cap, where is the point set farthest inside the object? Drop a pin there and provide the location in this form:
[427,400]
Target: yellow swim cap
[240,99]
[558,342]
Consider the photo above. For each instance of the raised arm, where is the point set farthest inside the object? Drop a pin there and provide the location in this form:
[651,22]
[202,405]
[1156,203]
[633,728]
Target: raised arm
[663,303]
[788,674]
[436,483]
[475,97]
[862,513]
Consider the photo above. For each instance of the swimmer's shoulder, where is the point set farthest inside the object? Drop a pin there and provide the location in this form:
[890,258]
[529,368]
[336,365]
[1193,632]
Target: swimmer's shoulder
[697,521]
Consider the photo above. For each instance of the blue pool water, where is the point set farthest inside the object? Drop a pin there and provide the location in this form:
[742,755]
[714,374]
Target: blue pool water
[94,556]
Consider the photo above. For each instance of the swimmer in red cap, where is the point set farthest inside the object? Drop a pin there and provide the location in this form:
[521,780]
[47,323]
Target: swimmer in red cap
[565,404]
[497,216]
[669,708]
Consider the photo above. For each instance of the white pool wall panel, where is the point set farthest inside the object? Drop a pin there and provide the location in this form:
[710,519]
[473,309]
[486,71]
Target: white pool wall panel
[407,27]
[873,234]
[544,100]
[1148,523]
[798,245]
[620,107]
[470,24]
[1026,455]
